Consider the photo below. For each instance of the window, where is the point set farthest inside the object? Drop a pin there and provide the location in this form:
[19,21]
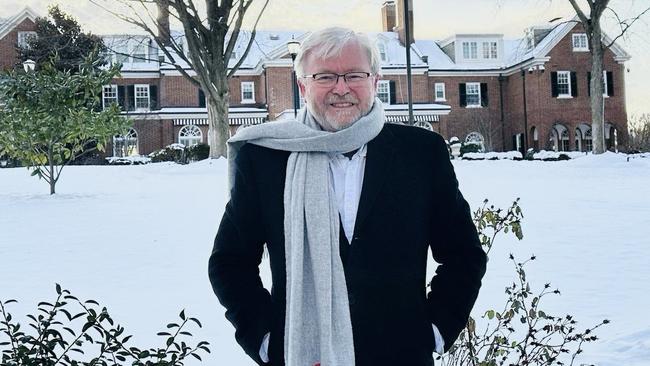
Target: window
[190,135]
[470,50]
[580,42]
[490,50]
[564,84]
[476,139]
[605,86]
[24,37]
[440,92]
[125,145]
[141,97]
[248,92]
[382,50]
[383,91]
[473,91]
[109,95]
[139,53]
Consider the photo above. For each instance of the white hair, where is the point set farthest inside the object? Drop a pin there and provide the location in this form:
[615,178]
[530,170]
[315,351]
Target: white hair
[329,42]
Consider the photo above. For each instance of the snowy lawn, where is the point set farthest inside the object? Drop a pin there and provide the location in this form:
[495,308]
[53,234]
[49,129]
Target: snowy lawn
[137,239]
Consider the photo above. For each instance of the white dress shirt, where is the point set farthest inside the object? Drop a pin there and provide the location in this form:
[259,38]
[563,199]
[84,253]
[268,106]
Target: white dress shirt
[347,179]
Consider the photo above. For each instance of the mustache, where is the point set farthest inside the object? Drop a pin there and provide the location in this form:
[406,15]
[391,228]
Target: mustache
[347,98]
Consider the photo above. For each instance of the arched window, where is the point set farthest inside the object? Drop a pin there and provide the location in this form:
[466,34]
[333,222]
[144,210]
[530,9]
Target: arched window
[425,125]
[578,139]
[126,145]
[476,138]
[190,135]
[588,143]
[559,138]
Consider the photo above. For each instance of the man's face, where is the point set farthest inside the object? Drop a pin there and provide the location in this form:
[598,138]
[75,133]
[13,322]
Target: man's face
[339,106]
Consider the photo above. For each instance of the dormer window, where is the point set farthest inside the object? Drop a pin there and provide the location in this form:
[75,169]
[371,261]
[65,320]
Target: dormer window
[382,51]
[580,42]
[470,50]
[490,50]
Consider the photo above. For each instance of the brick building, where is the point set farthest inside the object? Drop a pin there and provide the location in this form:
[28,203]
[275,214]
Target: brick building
[507,94]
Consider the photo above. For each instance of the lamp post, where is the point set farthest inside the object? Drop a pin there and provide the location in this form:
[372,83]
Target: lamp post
[293,46]
[29,65]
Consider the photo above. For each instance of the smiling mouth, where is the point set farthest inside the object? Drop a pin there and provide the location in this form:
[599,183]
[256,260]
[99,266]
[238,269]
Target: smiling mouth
[341,105]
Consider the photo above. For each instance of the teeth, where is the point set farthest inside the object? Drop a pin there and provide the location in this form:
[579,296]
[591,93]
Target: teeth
[341,104]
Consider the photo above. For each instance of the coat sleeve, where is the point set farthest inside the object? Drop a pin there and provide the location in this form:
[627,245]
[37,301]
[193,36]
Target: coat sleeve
[456,247]
[233,267]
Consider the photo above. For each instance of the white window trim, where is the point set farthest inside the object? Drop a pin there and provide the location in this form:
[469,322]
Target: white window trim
[605,95]
[23,36]
[568,95]
[435,92]
[193,139]
[469,50]
[573,42]
[387,84]
[381,47]
[135,97]
[252,85]
[478,85]
[487,47]
[113,89]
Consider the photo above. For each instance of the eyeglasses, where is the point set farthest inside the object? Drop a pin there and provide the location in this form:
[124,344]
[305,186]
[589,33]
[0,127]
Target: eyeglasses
[330,79]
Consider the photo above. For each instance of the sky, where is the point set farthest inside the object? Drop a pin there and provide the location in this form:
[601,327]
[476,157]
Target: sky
[433,19]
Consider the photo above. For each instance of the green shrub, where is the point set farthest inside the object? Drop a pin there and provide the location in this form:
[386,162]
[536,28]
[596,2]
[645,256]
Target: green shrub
[520,332]
[174,152]
[470,147]
[67,330]
[198,152]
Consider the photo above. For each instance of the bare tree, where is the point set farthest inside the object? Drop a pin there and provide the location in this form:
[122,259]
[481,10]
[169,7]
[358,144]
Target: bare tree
[211,39]
[488,129]
[592,26]
[639,126]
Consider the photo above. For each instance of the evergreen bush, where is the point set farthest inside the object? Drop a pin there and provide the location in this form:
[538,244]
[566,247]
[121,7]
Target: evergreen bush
[71,332]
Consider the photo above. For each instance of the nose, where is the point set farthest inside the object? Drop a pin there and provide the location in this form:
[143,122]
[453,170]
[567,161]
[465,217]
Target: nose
[341,87]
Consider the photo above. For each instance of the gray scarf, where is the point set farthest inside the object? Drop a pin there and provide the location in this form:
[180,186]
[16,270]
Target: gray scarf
[317,323]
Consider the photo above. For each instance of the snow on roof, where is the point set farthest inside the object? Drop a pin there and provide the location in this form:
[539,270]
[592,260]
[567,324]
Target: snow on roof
[271,46]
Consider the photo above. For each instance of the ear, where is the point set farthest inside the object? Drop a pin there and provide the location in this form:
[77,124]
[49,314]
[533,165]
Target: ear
[302,87]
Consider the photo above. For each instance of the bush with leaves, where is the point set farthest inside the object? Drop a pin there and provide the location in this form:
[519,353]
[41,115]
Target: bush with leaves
[71,332]
[521,332]
[52,117]
[173,152]
[198,152]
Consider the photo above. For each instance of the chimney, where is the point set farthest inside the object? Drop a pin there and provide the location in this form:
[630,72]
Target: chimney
[388,16]
[401,27]
[163,22]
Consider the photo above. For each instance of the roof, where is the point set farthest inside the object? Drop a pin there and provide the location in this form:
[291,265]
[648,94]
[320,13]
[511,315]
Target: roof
[270,48]
[8,24]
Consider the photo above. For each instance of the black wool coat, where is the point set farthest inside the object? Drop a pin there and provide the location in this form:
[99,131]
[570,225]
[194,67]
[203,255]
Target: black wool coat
[409,205]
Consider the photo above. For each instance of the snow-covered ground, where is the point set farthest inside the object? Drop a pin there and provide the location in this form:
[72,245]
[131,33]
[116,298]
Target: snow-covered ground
[137,239]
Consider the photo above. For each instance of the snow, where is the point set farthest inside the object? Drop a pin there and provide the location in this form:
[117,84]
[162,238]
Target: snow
[511,155]
[137,239]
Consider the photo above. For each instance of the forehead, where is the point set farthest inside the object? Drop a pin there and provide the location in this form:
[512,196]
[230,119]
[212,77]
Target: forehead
[351,58]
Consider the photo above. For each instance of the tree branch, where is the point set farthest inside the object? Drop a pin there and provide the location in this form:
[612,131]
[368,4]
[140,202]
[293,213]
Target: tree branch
[628,23]
[250,41]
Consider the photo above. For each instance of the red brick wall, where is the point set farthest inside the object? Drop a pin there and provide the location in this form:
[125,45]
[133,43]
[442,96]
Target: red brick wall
[280,94]
[8,53]
[461,121]
[544,110]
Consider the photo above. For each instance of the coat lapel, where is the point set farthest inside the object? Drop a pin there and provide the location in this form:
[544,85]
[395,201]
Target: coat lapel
[379,159]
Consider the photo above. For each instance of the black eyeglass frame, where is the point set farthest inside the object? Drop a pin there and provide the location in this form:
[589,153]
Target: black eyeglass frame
[345,76]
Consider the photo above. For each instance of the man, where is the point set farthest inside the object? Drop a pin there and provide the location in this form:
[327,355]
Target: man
[348,208]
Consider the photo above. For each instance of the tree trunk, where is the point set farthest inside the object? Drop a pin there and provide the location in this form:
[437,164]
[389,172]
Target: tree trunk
[219,126]
[51,179]
[597,99]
